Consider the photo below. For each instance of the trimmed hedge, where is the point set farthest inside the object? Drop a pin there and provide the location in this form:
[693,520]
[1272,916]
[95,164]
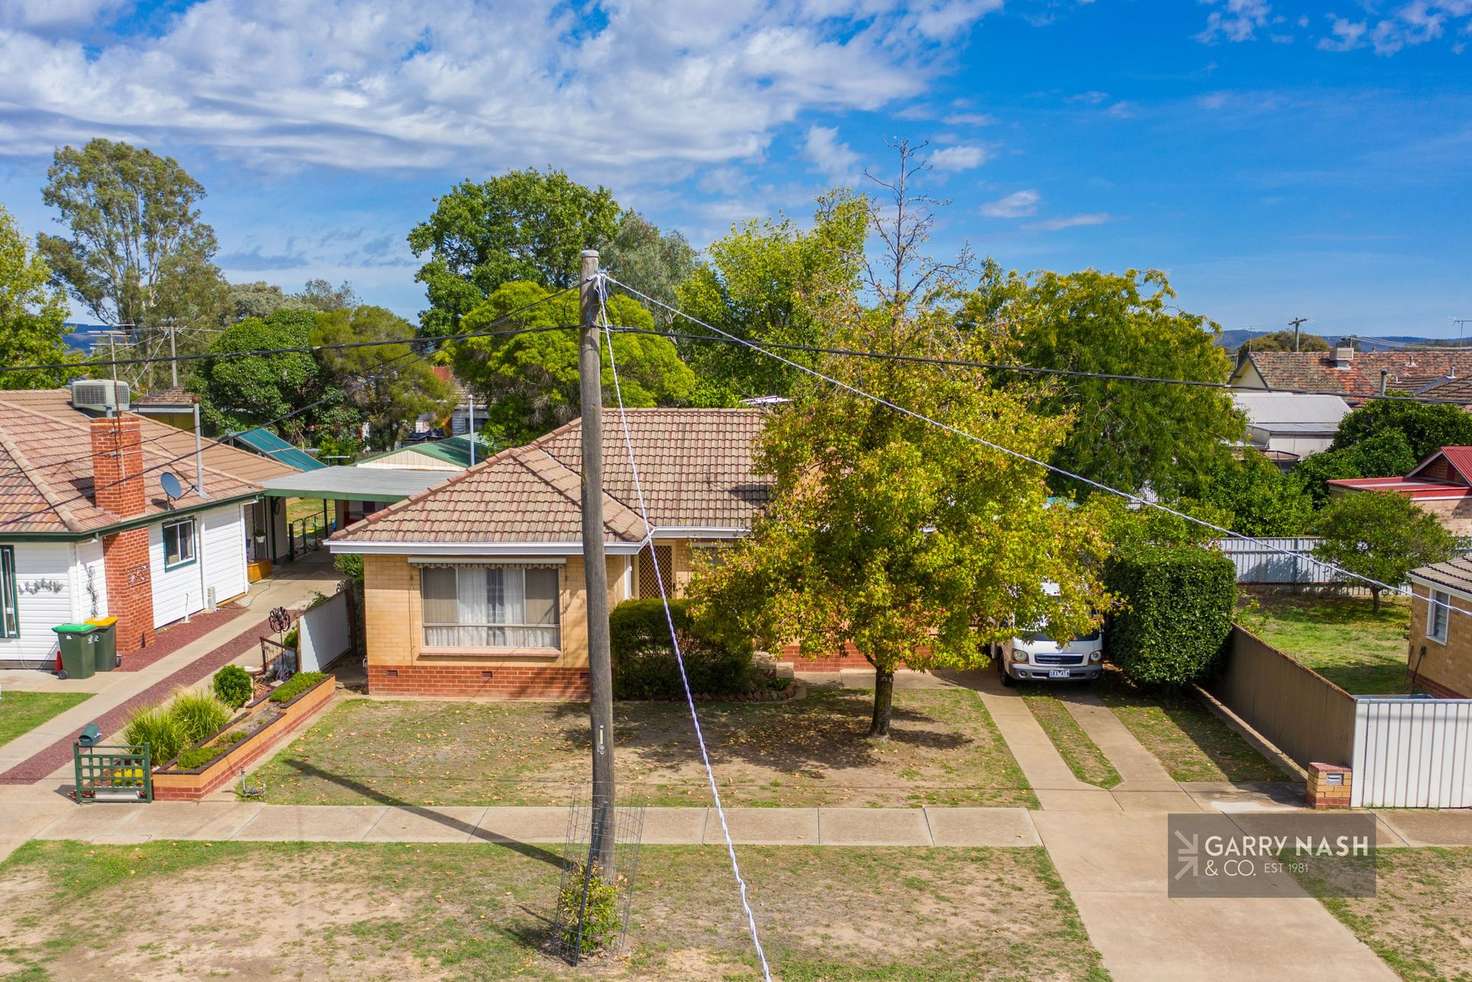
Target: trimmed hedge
[296,685]
[233,686]
[196,757]
[644,665]
[1177,611]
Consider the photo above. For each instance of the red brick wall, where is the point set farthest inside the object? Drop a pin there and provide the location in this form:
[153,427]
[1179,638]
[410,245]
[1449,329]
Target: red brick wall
[117,465]
[849,657]
[129,587]
[507,682]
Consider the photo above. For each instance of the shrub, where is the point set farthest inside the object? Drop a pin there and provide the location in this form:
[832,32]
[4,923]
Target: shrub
[644,665]
[600,921]
[201,715]
[296,685]
[158,727]
[1176,615]
[233,686]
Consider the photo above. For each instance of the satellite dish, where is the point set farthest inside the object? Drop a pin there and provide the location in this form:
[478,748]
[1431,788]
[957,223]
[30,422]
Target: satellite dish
[173,490]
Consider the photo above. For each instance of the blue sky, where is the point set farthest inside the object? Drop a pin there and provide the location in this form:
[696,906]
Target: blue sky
[1277,159]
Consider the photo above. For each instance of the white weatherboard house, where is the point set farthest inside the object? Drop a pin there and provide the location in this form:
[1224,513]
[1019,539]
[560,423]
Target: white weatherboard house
[86,529]
[1287,426]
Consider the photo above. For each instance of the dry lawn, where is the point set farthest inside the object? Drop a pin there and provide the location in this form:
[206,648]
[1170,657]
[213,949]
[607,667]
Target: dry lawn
[293,910]
[1420,919]
[944,750]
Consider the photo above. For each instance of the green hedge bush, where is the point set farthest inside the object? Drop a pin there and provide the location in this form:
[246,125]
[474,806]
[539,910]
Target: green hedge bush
[1177,606]
[160,729]
[644,665]
[296,685]
[233,686]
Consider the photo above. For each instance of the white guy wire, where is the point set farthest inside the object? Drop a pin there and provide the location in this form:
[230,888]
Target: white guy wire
[1136,499]
[710,774]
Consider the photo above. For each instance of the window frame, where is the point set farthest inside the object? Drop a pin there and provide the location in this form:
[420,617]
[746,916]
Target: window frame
[1436,613]
[193,542]
[9,595]
[425,626]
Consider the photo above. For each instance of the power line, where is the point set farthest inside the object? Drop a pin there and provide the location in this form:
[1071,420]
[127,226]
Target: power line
[311,348]
[710,774]
[732,339]
[1097,485]
[51,506]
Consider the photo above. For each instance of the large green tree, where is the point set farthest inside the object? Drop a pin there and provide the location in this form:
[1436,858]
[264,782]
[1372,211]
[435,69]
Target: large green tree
[1130,435]
[1253,494]
[917,546]
[523,225]
[1427,427]
[1386,453]
[137,253]
[239,389]
[389,385]
[763,282]
[1284,341]
[32,313]
[653,262]
[531,380]
[1381,536]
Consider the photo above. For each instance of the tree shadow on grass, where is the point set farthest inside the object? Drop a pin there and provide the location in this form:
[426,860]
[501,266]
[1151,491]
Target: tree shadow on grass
[825,729]
[449,821]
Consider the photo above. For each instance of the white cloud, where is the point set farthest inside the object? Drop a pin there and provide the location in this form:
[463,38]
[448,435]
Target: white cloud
[830,155]
[651,91]
[1018,204]
[46,15]
[958,158]
[969,119]
[1072,221]
[1236,20]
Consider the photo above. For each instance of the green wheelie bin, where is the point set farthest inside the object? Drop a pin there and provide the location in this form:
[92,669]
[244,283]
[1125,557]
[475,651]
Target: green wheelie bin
[107,642]
[78,643]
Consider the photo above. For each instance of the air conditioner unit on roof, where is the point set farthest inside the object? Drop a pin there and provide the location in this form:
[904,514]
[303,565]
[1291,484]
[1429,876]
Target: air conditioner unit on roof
[100,395]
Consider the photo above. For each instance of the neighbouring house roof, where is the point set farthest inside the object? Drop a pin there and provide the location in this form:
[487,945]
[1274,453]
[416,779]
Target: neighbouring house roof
[1454,574]
[268,444]
[1290,413]
[1447,473]
[454,450]
[1360,377]
[695,467]
[46,467]
[176,398]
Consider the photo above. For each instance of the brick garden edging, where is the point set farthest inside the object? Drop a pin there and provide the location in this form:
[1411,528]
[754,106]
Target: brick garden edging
[38,766]
[176,785]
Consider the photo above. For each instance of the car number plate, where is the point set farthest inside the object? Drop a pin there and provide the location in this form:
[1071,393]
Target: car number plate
[1058,673]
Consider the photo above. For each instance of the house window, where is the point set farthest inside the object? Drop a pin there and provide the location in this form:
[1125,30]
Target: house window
[1438,615]
[9,598]
[649,580]
[490,607]
[178,543]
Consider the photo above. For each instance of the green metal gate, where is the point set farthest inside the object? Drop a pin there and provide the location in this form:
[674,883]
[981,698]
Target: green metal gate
[113,773]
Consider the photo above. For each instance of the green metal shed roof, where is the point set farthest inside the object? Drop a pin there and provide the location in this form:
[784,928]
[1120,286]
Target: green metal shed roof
[454,450]
[263,441]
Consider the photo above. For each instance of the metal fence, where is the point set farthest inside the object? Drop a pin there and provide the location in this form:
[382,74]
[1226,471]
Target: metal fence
[1303,714]
[1264,561]
[1411,752]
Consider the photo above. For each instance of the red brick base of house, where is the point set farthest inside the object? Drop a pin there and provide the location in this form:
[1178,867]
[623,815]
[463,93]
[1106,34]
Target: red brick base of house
[504,682]
[848,658]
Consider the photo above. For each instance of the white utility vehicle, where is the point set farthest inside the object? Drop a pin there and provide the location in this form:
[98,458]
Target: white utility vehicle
[1036,656]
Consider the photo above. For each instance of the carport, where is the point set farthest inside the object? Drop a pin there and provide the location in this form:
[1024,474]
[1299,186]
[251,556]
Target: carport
[353,491]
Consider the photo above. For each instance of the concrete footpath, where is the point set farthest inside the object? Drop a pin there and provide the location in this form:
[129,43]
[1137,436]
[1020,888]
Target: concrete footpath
[1111,850]
[254,822]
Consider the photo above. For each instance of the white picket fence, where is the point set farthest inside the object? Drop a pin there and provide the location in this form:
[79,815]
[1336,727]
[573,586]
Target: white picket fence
[1264,561]
[1412,753]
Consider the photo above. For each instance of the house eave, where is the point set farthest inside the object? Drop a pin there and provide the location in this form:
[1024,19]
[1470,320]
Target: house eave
[352,548]
[142,521]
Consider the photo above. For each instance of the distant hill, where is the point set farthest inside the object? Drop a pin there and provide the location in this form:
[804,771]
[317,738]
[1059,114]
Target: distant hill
[1232,340]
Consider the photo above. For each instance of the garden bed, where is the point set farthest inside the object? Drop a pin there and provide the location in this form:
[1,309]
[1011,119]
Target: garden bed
[248,738]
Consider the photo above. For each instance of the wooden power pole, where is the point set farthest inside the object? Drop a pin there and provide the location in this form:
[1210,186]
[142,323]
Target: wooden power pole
[600,668]
[1297,322]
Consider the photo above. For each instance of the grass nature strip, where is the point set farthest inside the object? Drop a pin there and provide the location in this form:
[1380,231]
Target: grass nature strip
[21,712]
[1082,755]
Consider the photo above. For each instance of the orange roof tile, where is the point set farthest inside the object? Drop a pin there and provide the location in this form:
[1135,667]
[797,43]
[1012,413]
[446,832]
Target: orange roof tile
[695,466]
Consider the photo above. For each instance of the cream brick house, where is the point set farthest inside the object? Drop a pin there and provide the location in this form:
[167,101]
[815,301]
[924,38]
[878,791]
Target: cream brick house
[1440,652]
[476,585]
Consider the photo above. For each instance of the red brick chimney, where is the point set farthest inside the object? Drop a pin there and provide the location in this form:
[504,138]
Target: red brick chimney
[118,487]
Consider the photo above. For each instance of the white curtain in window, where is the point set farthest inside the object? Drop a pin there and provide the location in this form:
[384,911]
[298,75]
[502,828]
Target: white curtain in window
[490,607]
